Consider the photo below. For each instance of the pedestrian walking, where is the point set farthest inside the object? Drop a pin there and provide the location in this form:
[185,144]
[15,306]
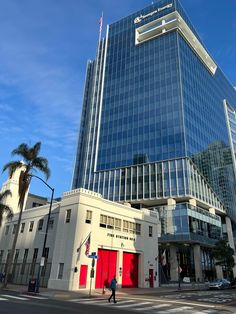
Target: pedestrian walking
[113,290]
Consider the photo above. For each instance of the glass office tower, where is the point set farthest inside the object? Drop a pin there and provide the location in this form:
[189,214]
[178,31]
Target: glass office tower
[158,120]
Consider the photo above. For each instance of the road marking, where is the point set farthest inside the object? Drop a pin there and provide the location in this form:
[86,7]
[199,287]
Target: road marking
[177,302]
[14,297]
[34,297]
[2,299]
[180,309]
[134,304]
[85,299]
[153,307]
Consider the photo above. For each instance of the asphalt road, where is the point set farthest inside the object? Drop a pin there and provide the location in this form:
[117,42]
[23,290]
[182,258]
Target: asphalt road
[11,303]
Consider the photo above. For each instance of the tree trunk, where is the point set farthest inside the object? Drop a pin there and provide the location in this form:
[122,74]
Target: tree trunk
[9,265]
[23,187]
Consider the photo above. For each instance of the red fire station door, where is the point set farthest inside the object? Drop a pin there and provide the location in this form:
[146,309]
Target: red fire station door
[83,276]
[106,267]
[130,270]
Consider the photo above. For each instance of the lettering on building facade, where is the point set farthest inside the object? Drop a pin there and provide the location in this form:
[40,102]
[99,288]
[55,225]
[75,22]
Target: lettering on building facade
[138,19]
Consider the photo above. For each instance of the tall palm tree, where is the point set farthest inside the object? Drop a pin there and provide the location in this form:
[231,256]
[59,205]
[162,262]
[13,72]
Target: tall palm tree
[4,209]
[31,163]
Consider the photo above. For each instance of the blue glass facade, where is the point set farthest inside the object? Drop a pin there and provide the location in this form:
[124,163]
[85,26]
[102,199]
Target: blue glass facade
[154,108]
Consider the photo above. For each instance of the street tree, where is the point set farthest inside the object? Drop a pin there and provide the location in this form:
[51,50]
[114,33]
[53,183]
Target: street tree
[224,256]
[5,210]
[30,163]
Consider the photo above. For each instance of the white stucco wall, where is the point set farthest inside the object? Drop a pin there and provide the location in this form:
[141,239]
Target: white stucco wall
[70,236]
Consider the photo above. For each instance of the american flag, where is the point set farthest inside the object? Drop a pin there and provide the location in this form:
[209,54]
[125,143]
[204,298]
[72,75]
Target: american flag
[87,246]
[100,25]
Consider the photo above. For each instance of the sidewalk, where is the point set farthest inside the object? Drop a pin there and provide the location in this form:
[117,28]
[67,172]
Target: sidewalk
[127,292]
[62,294]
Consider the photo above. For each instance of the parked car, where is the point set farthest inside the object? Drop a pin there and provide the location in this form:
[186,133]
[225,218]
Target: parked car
[233,283]
[219,284]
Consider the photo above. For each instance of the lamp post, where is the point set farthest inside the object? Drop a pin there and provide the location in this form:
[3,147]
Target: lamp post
[42,261]
[178,266]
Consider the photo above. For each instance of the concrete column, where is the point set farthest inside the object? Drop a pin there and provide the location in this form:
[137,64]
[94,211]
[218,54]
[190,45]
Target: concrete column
[197,262]
[192,201]
[212,210]
[219,272]
[169,217]
[230,239]
[171,201]
[229,232]
[173,264]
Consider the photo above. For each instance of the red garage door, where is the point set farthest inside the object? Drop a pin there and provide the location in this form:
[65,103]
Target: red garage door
[106,267]
[130,270]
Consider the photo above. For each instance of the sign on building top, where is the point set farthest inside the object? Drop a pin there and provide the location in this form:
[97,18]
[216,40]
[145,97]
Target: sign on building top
[138,19]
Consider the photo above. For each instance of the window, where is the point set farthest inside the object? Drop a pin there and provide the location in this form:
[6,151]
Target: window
[60,271]
[103,221]
[150,231]
[50,224]
[31,226]
[1,256]
[22,227]
[131,227]
[24,261]
[7,230]
[34,261]
[88,217]
[15,261]
[40,225]
[45,254]
[14,229]
[138,228]
[68,215]
[110,222]
[36,204]
[117,224]
[125,226]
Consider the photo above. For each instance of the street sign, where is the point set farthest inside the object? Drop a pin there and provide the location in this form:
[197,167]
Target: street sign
[93,256]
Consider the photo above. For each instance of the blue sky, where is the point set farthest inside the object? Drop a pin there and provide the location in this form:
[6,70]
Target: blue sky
[44,47]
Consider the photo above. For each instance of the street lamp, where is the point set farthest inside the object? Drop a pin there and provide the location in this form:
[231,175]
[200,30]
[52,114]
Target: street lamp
[42,261]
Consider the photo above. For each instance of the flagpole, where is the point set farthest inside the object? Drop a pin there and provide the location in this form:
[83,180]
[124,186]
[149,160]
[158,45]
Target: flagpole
[100,27]
[83,242]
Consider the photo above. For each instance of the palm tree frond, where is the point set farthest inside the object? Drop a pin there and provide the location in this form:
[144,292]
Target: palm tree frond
[12,166]
[21,150]
[41,164]
[5,210]
[5,194]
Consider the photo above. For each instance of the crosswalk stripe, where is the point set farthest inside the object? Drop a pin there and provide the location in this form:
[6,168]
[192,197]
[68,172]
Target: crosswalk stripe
[134,304]
[2,299]
[180,309]
[153,307]
[14,297]
[34,297]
